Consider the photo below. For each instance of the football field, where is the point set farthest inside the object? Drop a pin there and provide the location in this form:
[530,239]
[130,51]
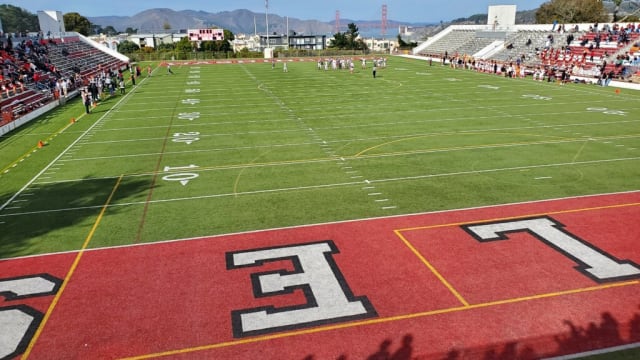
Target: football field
[237,211]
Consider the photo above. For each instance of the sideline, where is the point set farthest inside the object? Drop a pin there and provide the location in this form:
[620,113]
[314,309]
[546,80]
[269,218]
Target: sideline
[35,148]
[68,148]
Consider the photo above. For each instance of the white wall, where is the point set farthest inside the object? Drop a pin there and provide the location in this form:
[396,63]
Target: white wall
[51,22]
[502,16]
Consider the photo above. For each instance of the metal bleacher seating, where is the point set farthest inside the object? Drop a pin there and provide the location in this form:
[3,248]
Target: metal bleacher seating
[530,43]
[71,57]
[452,42]
[74,55]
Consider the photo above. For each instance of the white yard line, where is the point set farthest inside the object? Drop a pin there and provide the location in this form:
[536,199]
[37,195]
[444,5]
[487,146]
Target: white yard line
[325,186]
[411,152]
[63,153]
[323,224]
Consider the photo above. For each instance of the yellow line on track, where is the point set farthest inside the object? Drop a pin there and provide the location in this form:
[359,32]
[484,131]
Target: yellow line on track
[30,151]
[444,281]
[433,269]
[378,321]
[72,269]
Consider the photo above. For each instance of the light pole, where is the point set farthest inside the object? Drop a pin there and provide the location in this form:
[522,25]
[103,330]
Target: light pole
[266,14]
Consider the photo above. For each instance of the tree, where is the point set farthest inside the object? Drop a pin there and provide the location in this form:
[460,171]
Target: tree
[571,11]
[166,47]
[96,29]
[109,30]
[348,40]
[166,25]
[184,45]
[15,19]
[352,35]
[76,22]
[131,30]
[127,47]
[228,35]
[339,41]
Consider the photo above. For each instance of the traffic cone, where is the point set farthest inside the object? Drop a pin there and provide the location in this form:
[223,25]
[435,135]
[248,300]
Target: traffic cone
[40,144]
[73,120]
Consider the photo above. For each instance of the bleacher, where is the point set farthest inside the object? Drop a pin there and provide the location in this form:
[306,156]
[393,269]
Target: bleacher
[456,39]
[576,45]
[72,54]
[529,42]
[22,103]
[71,57]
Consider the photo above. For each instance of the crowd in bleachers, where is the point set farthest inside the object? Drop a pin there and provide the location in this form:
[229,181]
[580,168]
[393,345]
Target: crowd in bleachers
[603,52]
[24,62]
[35,70]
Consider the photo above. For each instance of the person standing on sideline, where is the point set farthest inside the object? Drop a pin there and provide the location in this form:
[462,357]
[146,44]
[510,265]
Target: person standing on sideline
[149,71]
[284,67]
[121,86]
[169,71]
[375,68]
[86,99]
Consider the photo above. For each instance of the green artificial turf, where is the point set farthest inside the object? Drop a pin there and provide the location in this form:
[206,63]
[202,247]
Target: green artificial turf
[218,149]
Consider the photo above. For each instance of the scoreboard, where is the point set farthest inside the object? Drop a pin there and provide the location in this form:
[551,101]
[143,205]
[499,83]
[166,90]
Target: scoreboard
[206,34]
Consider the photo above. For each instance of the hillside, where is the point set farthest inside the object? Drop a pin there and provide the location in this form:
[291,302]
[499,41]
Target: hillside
[246,21]
[237,21]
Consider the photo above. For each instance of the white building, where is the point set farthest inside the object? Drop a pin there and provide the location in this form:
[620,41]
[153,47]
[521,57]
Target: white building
[243,41]
[151,40]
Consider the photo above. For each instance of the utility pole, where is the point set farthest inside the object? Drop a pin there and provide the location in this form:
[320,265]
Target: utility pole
[266,14]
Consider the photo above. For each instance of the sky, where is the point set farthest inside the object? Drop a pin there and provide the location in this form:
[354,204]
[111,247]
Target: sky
[415,11]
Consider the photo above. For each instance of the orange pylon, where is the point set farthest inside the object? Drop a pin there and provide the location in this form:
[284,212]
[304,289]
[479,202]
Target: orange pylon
[73,120]
[40,144]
